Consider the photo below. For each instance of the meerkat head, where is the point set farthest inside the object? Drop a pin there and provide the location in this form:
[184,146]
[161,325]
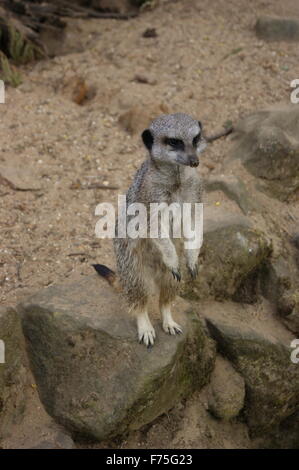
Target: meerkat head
[175,139]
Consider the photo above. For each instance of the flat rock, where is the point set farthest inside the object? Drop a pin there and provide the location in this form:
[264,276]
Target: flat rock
[92,375]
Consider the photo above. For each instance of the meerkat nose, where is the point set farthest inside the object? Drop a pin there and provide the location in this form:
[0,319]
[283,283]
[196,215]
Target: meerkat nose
[193,160]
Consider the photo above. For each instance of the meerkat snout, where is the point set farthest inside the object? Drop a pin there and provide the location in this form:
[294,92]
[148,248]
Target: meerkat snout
[193,160]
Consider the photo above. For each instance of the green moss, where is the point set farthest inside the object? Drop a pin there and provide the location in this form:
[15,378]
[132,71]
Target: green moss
[8,73]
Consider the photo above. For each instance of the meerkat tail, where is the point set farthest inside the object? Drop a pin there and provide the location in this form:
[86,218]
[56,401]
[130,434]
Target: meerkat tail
[106,273]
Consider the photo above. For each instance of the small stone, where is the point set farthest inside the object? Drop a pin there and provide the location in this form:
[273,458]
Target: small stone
[150,33]
[226,390]
[277,29]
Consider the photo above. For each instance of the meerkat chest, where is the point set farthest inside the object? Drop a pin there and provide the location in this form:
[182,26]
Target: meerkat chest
[182,193]
[179,195]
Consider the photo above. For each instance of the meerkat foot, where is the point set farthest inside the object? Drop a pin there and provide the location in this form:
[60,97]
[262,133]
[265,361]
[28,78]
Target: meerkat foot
[169,325]
[146,332]
[172,328]
[176,275]
[193,271]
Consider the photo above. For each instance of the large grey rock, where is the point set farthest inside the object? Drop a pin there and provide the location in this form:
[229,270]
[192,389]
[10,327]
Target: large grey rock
[232,249]
[13,378]
[226,390]
[92,375]
[259,348]
[268,146]
[277,29]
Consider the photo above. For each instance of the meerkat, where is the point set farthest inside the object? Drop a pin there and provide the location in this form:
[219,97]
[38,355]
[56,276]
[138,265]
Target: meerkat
[146,266]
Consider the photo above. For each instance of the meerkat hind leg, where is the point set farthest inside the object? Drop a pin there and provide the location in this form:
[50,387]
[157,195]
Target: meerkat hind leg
[169,325]
[146,332]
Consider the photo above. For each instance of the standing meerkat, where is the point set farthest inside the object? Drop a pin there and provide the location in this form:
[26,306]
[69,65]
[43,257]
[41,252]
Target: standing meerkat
[146,266]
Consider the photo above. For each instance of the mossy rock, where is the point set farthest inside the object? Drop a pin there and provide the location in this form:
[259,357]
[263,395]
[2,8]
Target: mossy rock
[92,375]
[260,351]
[13,376]
[229,254]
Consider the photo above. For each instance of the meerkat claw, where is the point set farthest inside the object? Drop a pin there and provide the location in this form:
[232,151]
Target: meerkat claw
[172,328]
[147,337]
[176,275]
[193,272]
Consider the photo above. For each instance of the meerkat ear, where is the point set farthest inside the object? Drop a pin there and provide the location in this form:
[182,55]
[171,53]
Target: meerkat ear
[147,138]
[200,125]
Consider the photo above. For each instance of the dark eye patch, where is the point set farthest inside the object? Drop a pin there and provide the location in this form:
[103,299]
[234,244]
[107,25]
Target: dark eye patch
[196,140]
[177,144]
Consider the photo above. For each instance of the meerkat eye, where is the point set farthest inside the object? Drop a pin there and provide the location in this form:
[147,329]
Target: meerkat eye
[196,140]
[177,144]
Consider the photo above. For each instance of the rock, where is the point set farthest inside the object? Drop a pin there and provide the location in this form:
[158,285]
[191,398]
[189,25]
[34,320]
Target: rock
[13,376]
[295,240]
[268,146]
[93,376]
[17,176]
[290,300]
[57,440]
[279,284]
[76,89]
[120,6]
[145,78]
[234,188]
[259,349]
[277,29]
[138,118]
[288,434]
[231,250]
[226,391]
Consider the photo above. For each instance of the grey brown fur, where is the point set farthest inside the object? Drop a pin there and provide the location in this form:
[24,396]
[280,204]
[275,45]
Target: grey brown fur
[148,266]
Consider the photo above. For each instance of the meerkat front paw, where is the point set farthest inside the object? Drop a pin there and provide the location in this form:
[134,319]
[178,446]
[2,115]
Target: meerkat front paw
[171,327]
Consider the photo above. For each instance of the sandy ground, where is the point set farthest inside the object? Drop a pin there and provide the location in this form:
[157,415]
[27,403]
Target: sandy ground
[205,60]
